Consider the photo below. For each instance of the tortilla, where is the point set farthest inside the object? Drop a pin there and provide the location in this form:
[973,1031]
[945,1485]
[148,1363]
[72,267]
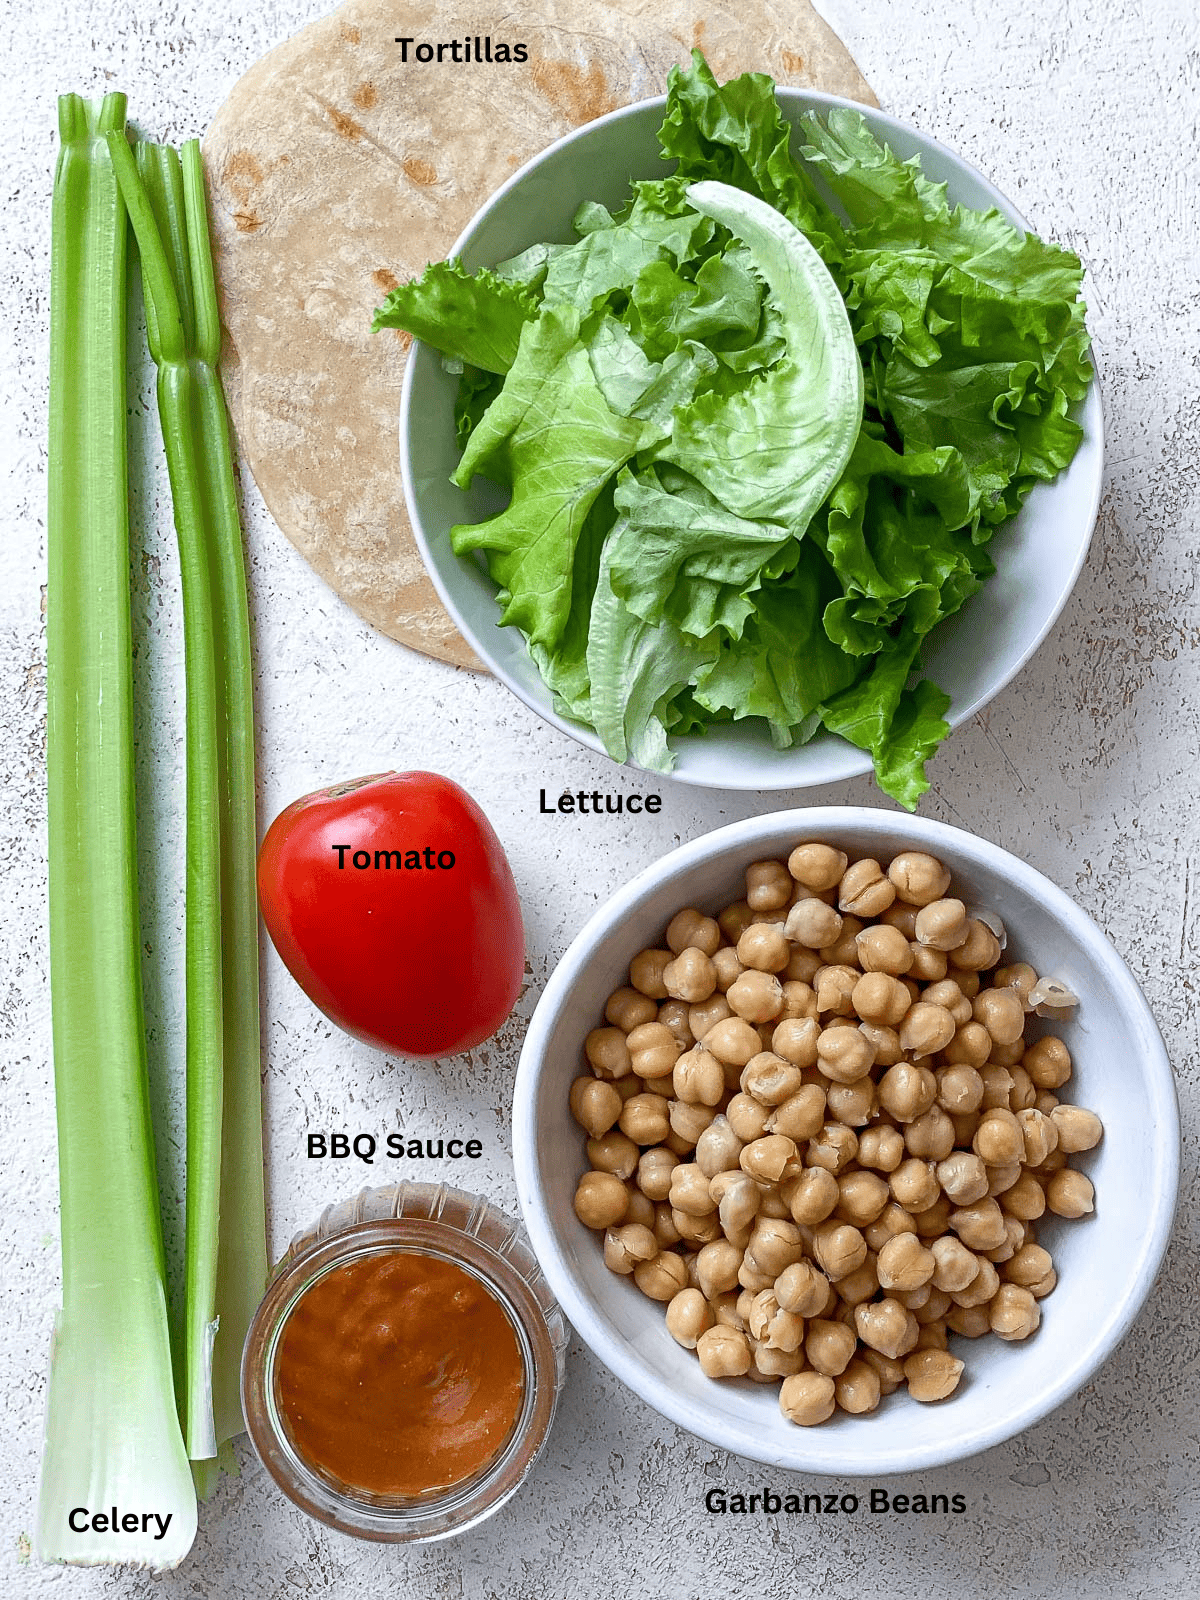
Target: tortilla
[338,168]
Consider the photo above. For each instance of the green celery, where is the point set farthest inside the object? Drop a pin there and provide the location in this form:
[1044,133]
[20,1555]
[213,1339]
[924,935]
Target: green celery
[226,1267]
[112,1428]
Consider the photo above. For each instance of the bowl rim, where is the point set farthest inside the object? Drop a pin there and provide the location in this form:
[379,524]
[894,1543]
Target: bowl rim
[843,759]
[812,822]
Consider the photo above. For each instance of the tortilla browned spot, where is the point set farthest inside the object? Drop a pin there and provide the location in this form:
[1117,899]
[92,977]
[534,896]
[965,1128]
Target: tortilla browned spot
[318,209]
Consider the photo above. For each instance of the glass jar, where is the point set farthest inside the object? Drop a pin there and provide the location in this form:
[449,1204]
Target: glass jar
[448,1225]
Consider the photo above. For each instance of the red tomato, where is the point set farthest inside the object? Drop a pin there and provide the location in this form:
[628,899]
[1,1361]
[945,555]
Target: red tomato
[393,906]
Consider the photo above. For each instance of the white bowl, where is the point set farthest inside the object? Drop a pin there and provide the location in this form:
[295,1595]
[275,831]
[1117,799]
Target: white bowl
[1106,1263]
[971,656]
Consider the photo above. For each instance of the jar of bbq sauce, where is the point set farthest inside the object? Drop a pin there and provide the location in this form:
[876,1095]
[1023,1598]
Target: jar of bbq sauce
[401,1374]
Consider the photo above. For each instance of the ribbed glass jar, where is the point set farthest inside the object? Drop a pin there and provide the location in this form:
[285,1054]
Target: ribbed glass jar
[449,1225]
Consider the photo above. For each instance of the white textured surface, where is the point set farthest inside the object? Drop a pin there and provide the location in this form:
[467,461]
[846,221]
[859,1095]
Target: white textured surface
[1088,117]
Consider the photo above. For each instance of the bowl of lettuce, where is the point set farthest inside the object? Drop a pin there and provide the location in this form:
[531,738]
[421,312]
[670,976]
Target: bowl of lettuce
[750,436]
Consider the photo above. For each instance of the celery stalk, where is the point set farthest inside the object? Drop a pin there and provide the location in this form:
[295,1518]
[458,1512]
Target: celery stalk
[112,1428]
[226,1266]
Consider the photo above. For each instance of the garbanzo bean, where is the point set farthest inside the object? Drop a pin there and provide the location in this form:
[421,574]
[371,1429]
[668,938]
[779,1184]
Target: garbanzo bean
[692,927]
[852,1103]
[811,1195]
[723,1352]
[812,923]
[844,1054]
[769,885]
[880,998]
[979,950]
[857,1389]
[905,1263]
[1070,1194]
[645,1119]
[834,1147]
[942,924]
[627,1009]
[801,1115]
[717,1267]
[1077,1129]
[688,1316]
[646,972]
[795,1039]
[907,1091]
[690,977]
[764,946]
[1001,1013]
[887,1326]
[755,996]
[595,1105]
[930,1136]
[1014,1313]
[768,1158]
[963,1177]
[654,1171]
[865,891]
[861,1197]
[626,1246]
[884,949]
[881,1147]
[807,1398]
[727,967]
[918,878]
[600,1200]
[613,1152]
[925,1030]
[932,1374]
[817,866]
[829,1346]
[838,1249]
[698,1077]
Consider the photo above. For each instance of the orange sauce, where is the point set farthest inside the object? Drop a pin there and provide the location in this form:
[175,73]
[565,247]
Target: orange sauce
[399,1373]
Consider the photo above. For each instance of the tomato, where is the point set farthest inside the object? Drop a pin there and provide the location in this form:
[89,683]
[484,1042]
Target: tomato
[393,906]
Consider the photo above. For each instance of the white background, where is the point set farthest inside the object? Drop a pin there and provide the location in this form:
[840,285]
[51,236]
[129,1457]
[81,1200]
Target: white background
[1086,114]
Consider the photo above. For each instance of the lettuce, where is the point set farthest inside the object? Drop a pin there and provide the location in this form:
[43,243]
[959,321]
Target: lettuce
[759,429]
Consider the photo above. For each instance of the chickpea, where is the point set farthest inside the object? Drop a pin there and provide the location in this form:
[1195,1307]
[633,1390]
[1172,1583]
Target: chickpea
[627,1009]
[774,1244]
[981,1288]
[893,1219]
[607,1053]
[811,1195]
[735,919]
[955,1267]
[903,918]
[971,1046]
[817,866]
[887,1326]
[886,1043]
[1008,1055]
[755,996]
[971,1321]
[727,968]
[706,1015]
[928,965]
[843,952]
[764,947]
[692,927]
[1039,1136]
[963,1177]
[595,1105]
[1016,1230]
[769,885]
[801,1289]
[864,890]
[959,1089]
[653,1049]
[925,1030]
[813,924]
[918,878]
[833,1148]
[1077,1129]
[807,1398]
[601,1200]
[772,1326]
[696,1230]
[747,1117]
[942,924]
[724,1352]
[1070,1194]
[796,1041]
[690,1191]
[969,982]
[646,972]
[881,1147]
[770,1079]
[914,1185]
[857,1389]
[717,1266]
[862,1196]
[838,1249]
[718,1148]
[688,1122]
[852,1103]
[625,1247]
[645,1119]
[904,1263]
[690,977]
[947,994]
[801,1115]
[1014,1313]
[1020,978]
[881,999]
[932,1374]
[829,1346]
[933,1222]
[803,966]
[907,1091]
[931,1135]
[698,1077]
[980,1226]
[1032,1268]
[1001,1013]
[998,1141]
[768,1158]
[979,950]
[932,1335]
[844,1055]
[615,1153]
[997,1087]
[733,1041]
[737,1197]
[665,1230]
[834,986]
[890,1373]
[752,1277]
[884,949]
[654,1171]
[688,1316]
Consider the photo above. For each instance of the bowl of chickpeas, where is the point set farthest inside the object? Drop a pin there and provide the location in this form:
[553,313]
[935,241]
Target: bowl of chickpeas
[847,1141]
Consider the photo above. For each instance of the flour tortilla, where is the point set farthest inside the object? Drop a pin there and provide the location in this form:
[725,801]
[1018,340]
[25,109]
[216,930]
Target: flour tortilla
[336,171]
